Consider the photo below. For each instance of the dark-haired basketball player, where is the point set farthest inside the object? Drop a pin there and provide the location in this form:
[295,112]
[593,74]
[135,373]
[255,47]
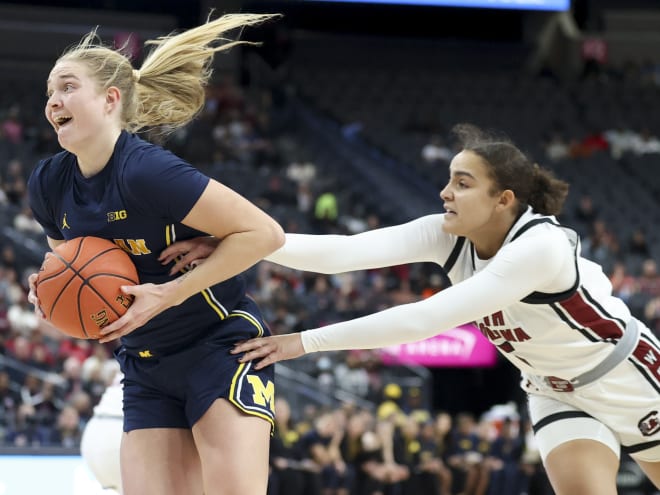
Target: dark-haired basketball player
[591,370]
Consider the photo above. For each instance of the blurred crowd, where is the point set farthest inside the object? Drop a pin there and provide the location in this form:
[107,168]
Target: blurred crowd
[49,383]
[402,448]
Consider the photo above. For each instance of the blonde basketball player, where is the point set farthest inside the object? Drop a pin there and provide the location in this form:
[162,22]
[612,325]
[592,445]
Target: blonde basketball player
[591,370]
[195,420]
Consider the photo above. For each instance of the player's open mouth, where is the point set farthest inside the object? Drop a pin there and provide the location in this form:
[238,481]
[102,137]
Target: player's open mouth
[61,121]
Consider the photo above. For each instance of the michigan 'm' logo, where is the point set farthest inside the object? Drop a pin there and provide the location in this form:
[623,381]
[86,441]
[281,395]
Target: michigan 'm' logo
[263,395]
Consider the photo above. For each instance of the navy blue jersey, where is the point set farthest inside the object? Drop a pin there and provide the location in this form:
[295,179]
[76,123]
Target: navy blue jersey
[138,201]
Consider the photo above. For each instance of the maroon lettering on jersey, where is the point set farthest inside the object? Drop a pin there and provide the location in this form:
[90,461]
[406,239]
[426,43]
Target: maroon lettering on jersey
[559,384]
[508,334]
[498,319]
[506,347]
[649,357]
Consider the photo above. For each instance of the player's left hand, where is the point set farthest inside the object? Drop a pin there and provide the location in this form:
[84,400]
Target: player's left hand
[148,301]
[32,295]
[192,252]
[270,349]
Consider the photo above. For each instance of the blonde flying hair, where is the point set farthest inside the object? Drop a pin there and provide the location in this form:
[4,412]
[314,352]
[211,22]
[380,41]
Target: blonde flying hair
[168,89]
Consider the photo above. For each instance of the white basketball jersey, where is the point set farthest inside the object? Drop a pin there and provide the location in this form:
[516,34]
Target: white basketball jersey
[585,321]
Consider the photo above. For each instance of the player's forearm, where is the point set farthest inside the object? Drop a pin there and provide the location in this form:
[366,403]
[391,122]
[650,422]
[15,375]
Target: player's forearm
[489,291]
[412,242]
[397,325]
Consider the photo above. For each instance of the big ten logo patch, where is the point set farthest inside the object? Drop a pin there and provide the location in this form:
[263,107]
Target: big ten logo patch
[113,216]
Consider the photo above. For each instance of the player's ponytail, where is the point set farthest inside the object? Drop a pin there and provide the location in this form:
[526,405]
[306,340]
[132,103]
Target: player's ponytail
[168,90]
[548,193]
[511,169]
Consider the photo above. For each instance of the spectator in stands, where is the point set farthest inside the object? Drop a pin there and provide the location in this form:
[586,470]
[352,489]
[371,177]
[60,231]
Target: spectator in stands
[391,403]
[466,457]
[351,376]
[24,222]
[593,142]
[326,212]
[14,183]
[428,473]
[67,431]
[289,474]
[601,245]
[12,291]
[12,127]
[20,349]
[77,349]
[500,244]
[47,406]
[437,151]
[322,445]
[42,355]
[646,143]
[621,140]
[504,460]
[556,148]
[72,374]
[379,470]
[413,405]
[9,402]
[652,314]
[81,401]
[304,197]
[26,432]
[3,195]
[586,213]
[94,377]
[638,245]
[21,315]
[648,282]
[624,285]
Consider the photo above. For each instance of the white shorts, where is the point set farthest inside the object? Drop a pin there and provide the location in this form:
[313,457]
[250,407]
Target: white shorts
[99,449]
[620,410]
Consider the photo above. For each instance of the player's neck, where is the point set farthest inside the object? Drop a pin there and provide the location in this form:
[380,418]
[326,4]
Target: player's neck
[489,239]
[96,155]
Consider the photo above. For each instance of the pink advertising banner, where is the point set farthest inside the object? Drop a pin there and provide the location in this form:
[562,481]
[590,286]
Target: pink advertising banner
[463,346]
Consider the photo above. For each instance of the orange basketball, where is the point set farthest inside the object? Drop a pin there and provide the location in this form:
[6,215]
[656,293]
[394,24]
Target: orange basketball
[78,285]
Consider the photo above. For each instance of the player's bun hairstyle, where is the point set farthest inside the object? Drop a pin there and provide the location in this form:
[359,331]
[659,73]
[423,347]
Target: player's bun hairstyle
[169,89]
[511,169]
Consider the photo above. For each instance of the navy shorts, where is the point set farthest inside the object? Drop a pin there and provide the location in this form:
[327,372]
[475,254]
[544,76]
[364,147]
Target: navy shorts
[175,390]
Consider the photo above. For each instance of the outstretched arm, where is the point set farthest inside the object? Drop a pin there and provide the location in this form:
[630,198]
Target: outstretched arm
[517,270]
[416,241]
[420,240]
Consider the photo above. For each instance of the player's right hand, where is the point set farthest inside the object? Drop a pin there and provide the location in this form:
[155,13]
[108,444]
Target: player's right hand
[269,350]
